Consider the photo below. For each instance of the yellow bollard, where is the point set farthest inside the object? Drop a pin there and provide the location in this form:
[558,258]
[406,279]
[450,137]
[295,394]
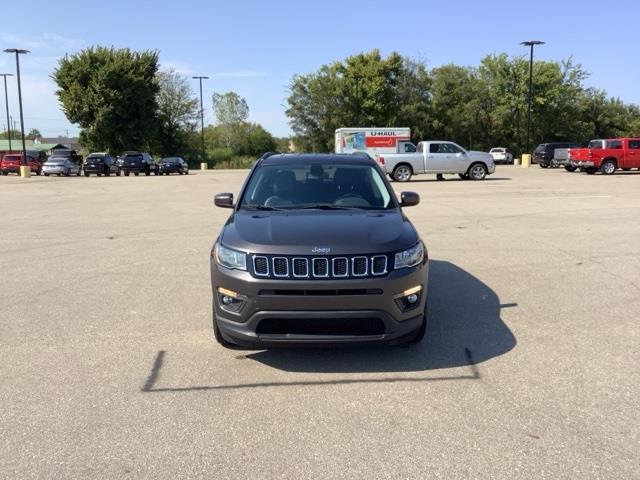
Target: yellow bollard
[25,171]
[526,160]
[203,166]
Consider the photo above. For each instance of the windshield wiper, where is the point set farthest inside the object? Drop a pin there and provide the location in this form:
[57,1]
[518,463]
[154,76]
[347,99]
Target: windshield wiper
[324,206]
[260,207]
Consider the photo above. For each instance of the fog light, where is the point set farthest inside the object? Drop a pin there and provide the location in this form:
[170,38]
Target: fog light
[408,299]
[230,301]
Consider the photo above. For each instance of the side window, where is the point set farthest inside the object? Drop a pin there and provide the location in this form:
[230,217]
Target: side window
[408,148]
[451,148]
[434,148]
[614,144]
[634,144]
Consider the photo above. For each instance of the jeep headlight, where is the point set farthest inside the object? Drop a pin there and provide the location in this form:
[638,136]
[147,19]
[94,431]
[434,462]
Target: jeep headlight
[410,257]
[230,258]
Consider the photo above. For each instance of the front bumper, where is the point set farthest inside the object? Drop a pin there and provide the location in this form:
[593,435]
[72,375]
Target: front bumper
[302,302]
[94,169]
[170,169]
[53,170]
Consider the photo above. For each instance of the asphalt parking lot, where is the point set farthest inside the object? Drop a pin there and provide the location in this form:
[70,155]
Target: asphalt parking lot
[530,367]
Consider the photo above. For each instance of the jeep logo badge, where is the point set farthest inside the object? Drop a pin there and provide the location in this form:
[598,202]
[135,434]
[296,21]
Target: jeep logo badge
[322,250]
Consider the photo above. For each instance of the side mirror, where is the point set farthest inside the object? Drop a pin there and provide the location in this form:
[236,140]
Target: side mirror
[224,200]
[409,199]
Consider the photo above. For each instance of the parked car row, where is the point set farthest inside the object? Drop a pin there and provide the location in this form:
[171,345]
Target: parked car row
[95,164]
[600,155]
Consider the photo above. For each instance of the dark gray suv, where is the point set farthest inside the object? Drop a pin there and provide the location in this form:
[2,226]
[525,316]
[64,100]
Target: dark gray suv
[318,251]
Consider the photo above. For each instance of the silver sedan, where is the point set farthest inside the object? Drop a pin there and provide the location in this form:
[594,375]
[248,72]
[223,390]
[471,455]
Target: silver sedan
[62,166]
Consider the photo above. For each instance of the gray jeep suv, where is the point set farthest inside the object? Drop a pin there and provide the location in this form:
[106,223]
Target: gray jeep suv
[318,251]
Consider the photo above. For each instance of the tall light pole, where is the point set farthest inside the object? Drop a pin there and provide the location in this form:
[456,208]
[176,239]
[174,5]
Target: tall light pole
[201,114]
[19,52]
[6,103]
[530,44]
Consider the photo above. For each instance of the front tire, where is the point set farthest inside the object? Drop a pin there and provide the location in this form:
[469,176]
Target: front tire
[544,165]
[86,174]
[126,174]
[463,176]
[570,168]
[402,173]
[608,167]
[477,171]
[590,170]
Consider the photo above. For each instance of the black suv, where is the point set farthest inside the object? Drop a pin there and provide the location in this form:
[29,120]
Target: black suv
[139,162]
[100,164]
[543,155]
[318,251]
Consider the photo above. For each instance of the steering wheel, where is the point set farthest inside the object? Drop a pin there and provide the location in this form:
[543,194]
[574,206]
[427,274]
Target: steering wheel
[275,200]
[359,200]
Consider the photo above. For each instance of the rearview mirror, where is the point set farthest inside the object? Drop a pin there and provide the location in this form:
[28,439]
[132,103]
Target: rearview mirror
[409,199]
[224,200]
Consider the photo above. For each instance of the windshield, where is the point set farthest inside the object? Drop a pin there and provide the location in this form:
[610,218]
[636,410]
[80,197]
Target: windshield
[171,159]
[94,159]
[295,186]
[540,148]
[133,158]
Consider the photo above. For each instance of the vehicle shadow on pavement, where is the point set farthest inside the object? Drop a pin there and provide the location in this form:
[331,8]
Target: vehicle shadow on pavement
[464,328]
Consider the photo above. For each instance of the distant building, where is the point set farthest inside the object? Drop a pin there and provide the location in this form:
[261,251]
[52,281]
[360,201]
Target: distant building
[16,146]
[67,142]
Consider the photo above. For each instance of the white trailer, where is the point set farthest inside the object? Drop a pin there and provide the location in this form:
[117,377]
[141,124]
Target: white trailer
[374,141]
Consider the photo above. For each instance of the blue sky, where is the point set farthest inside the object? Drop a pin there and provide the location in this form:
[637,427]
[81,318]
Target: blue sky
[255,47]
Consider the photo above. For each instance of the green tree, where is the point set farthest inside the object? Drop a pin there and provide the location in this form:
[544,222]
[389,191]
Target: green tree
[112,94]
[15,134]
[34,134]
[363,90]
[252,139]
[177,113]
[283,144]
[230,110]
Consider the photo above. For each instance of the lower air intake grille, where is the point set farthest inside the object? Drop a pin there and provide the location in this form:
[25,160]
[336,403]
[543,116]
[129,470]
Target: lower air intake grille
[321,326]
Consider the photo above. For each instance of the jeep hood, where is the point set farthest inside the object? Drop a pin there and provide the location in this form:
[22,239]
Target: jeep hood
[346,232]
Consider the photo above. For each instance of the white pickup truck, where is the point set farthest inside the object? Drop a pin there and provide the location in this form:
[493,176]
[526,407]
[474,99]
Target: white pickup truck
[438,157]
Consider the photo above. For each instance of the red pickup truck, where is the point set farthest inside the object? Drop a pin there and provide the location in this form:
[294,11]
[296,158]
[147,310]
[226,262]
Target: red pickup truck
[607,156]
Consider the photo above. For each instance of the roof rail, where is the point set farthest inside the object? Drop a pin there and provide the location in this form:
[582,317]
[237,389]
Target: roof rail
[268,154]
[362,154]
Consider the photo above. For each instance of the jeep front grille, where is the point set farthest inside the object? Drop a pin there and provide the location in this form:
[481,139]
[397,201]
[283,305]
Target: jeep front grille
[261,266]
[318,268]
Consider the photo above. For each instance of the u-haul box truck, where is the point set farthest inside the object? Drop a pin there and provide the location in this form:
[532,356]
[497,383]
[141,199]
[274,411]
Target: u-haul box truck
[374,141]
